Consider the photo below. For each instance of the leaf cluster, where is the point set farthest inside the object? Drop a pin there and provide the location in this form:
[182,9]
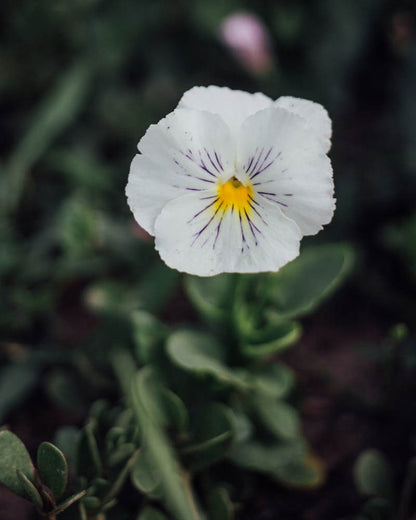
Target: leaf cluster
[200,405]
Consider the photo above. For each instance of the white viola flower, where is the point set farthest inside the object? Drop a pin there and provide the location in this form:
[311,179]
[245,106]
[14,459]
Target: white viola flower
[231,181]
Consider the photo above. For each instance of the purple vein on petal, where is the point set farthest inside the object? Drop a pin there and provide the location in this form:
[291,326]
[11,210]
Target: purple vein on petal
[199,233]
[252,225]
[251,204]
[243,238]
[254,165]
[202,210]
[217,157]
[262,168]
[211,161]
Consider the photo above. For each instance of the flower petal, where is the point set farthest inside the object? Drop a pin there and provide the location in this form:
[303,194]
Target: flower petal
[187,151]
[283,159]
[205,241]
[315,114]
[234,106]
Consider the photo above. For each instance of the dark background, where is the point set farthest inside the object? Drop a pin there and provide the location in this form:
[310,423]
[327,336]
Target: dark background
[80,81]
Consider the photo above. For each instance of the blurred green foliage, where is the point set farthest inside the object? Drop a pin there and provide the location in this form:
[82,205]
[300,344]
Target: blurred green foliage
[196,402]
[80,82]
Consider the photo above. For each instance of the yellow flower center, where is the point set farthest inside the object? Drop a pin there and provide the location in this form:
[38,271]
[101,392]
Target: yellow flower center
[233,195]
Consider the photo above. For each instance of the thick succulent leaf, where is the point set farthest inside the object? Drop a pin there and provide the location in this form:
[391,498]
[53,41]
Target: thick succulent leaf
[267,458]
[148,333]
[174,487]
[242,426]
[212,435]
[53,468]
[211,296]
[30,491]
[278,417]
[89,463]
[145,476]
[175,410]
[13,457]
[373,475]
[272,339]
[202,355]
[275,380]
[288,462]
[299,287]
[307,473]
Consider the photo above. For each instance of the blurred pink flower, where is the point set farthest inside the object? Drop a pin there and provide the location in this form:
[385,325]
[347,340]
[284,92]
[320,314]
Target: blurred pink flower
[139,232]
[249,40]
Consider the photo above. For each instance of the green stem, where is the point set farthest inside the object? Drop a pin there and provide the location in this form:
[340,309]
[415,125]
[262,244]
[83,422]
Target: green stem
[68,502]
[92,443]
[125,368]
[118,484]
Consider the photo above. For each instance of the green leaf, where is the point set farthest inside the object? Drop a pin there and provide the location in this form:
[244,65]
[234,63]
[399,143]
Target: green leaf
[373,475]
[91,502]
[307,473]
[267,458]
[55,112]
[289,463]
[242,426]
[53,468]
[148,333]
[211,296]
[275,380]
[13,457]
[153,400]
[299,287]
[174,486]
[145,476]
[176,411]
[121,454]
[114,437]
[220,506]
[212,435]
[272,339]
[201,354]
[89,463]
[278,417]
[31,492]
[98,487]
[149,513]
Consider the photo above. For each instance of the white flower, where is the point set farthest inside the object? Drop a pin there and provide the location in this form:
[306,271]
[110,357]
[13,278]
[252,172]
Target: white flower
[231,181]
